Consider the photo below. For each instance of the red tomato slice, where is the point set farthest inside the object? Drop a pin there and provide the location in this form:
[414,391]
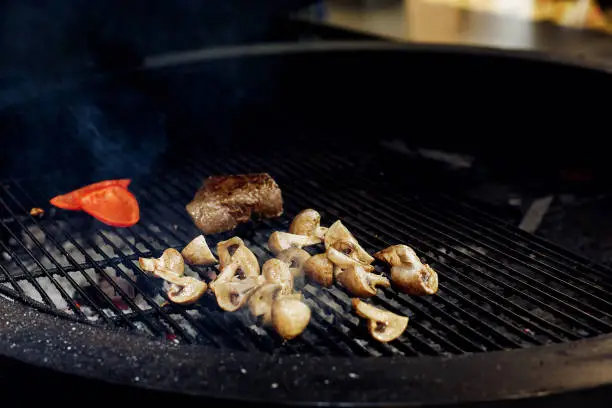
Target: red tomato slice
[72,200]
[113,206]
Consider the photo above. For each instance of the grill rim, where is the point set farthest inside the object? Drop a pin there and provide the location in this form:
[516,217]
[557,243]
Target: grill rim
[125,358]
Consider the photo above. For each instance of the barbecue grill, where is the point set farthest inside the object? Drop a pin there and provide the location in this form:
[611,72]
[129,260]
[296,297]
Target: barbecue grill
[516,316]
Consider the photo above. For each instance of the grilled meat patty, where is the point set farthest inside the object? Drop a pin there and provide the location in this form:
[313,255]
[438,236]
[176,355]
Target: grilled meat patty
[225,201]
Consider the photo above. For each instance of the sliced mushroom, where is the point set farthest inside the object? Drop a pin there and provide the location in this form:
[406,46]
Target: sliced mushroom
[295,258]
[361,283]
[276,271]
[227,248]
[318,268]
[197,252]
[415,280]
[398,255]
[279,241]
[308,222]
[232,295]
[344,261]
[235,251]
[338,233]
[260,301]
[189,291]
[383,325]
[183,289]
[290,317]
[171,260]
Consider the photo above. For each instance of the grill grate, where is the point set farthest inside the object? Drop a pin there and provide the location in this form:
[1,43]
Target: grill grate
[500,288]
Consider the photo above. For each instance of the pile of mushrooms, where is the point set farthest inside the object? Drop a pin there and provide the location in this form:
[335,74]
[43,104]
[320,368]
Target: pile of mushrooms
[269,291]
[346,262]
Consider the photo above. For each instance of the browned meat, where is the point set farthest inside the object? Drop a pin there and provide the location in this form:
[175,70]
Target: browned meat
[225,201]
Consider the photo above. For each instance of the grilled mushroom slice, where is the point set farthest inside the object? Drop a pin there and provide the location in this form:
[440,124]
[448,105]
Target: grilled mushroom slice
[308,222]
[398,255]
[232,295]
[415,280]
[383,325]
[345,261]
[276,271]
[197,252]
[359,282]
[260,301]
[290,316]
[183,289]
[227,248]
[295,258]
[171,260]
[319,269]
[279,241]
[234,250]
[338,233]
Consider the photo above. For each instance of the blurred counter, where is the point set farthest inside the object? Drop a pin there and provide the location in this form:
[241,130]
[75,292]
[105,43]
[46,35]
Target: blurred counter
[576,28]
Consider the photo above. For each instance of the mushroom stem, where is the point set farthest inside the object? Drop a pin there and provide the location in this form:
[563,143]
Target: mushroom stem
[344,261]
[359,282]
[338,233]
[280,241]
[171,260]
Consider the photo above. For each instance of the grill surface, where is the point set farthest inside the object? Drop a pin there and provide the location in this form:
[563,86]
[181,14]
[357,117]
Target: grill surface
[500,288]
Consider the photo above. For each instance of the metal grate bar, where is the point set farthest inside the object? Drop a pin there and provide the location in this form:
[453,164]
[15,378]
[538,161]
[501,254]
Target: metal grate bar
[14,258]
[486,340]
[527,282]
[428,333]
[547,249]
[524,258]
[156,328]
[465,265]
[70,259]
[599,322]
[75,308]
[524,333]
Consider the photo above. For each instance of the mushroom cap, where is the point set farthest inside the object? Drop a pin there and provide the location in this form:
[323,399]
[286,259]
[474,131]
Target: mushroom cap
[188,291]
[398,255]
[417,280]
[383,325]
[344,261]
[276,271]
[197,252]
[290,317]
[308,222]
[260,301]
[338,233]
[361,283]
[232,295]
[318,268]
[170,260]
[294,258]
[280,241]
[234,250]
